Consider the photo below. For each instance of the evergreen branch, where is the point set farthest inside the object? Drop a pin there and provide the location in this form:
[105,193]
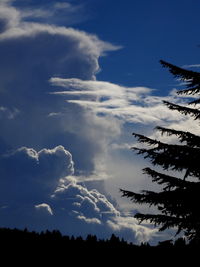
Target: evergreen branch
[180,202]
[166,222]
[134,197]
[141,198]
[180,72]
[174,157]
[195,102]
[144,139]
[172,201]
[192,77]
[160,145]
[184,110]
[181,149]
[172,182]
[191,139]
[159,219]
[190,91]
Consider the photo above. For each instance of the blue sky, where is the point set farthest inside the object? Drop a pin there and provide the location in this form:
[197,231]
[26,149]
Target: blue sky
[77,78]
[148,31]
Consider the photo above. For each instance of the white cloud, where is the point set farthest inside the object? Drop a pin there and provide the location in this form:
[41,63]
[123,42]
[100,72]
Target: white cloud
[44,208]
[55,12]
[89,220]
[126,226]
[191,66]
[99,94]
[91,202]
[9,16]
[87,42]
[122,146]
[94,209]
[126,103]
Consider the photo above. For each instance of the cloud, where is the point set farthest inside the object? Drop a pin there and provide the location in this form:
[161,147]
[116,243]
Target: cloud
[90,203]
[66,48]
[99,89]
[92,210]
[9,16]
[89,220]
[55,12]
[135,105]
[7,113]
[32,53]
[29,176]
[125,226]
[191,66]
[45,208]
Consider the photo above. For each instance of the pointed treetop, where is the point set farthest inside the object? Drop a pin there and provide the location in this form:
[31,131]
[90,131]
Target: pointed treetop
[191,78]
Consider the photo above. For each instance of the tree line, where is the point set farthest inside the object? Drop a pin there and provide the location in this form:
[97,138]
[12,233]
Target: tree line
[26,247]
[25,237]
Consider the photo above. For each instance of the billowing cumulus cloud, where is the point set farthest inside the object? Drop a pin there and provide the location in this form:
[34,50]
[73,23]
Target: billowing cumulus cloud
[28,175]
[93,211]
[43,193]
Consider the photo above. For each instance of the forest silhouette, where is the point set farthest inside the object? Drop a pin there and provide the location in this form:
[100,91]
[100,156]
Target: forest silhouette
[51,246]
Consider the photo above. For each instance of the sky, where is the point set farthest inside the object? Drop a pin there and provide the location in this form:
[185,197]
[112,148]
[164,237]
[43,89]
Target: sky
[77,78]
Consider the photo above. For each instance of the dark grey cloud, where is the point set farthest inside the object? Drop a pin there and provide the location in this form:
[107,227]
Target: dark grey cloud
[30,176]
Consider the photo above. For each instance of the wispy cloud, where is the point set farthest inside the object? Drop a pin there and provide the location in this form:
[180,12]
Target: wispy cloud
[8,113]
[56,13]
[131,104]
[191,66]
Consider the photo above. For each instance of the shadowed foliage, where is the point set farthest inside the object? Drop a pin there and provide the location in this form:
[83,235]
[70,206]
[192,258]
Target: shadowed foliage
[178,200]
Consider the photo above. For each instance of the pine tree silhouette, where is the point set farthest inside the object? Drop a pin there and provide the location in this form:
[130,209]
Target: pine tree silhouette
[178,201]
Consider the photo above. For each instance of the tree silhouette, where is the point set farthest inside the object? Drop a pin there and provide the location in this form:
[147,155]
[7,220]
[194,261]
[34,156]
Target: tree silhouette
[178,201]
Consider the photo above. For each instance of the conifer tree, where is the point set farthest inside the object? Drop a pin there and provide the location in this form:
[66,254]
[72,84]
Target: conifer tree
[178,202]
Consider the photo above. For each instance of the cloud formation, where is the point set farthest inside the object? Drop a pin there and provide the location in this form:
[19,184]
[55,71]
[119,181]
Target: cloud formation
[54,12]
[41,190]
[191,66]
[93,209]
[28,175]
[51,103]
[31,54]
[130,104]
